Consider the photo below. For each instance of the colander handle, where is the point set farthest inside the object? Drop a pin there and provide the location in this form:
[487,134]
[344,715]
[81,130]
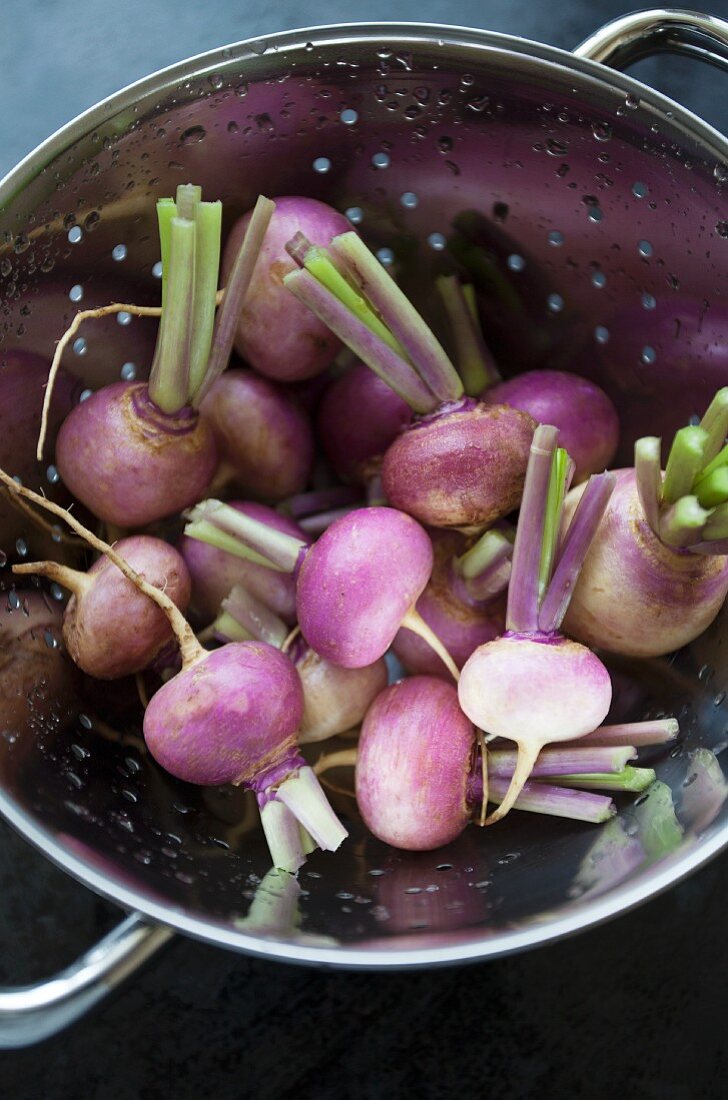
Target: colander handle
[643,33]
[33,1012]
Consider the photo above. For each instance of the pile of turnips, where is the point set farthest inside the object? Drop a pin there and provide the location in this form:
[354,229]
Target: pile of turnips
[352,487]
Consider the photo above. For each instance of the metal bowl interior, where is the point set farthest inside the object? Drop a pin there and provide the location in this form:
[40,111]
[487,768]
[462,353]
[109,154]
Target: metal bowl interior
[592,215]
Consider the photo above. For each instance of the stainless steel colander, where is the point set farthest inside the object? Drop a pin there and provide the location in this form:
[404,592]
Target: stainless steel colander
[592,215]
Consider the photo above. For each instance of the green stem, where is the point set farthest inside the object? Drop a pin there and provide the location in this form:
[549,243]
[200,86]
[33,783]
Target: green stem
[208,218]
[682,524]
[716,525]
[628,779]
[207,532]
[318,262]
[227,626]
[720,460]
[187,199]
[277,550]
[648,475]
[490,549]
[166,210]
[715,424]
[684,463]
[169,377]
[562,470]
[475,364]
[713,490]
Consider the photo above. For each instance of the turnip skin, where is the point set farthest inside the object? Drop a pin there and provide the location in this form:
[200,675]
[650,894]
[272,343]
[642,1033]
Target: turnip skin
[277,335]
[110,628]
[231,717]
[264,440]
[460,467]
[358,581]
[413,765]
[635,596]
[358,418]
[586,418]
[106,442]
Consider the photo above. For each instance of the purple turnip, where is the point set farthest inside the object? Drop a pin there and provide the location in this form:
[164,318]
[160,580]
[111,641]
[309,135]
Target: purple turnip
[136,452]
[274,334]
[657,572]
[264,440]
[460,464]
[533,686]
[103,595]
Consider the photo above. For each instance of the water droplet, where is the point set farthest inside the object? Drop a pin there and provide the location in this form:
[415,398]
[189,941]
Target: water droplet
[75,234]
[375,872]
[56,533]
[21,547]
[467,80]
[3,559]
[79,751]
[321,165]
[719,699]
[355,214]
[556,238]
[381,160]
[13,600]
[123,318]
[599,279]
[349,116]
[632,101]
[76,292]
[644,248]
[85,721]
[556,148]
[648,355]
[264,123]
[555,303]
[53,476]
[182,877]
[409,200]
[84,395]
[157,270]
[128,372]
[384,54]
[436,241]
[79,346]
[602,131]
[216,81]
[385,256]
[516,262]
[56,591]
[721,229]
[47,264]
[601,334]
[444,867]
[193,135]
[444,144]
[91,220]
[639,190]
[720,171]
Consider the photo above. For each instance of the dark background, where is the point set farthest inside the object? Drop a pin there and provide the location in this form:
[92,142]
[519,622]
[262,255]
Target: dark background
[635,1008]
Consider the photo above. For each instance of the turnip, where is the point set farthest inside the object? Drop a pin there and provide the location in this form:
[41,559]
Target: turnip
[230,716]
[657,572]
[355,587]
[459,464]
[452,604]
[216,567]
[264,440]
[359,416]
[584,415]
[103,595]
[150,452]
[275,335]
[335,699]
[533,686]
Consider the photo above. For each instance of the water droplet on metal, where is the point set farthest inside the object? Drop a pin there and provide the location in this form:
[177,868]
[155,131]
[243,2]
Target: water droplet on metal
[409,200]
[648,355]
[75,234]
[385,256]
[516,262]
[21,547]
[632,101]
[556,238]
[555,303]
[321,165]
[645,248]
[355,214]
[381,160]
[84,395]
[193,135]
[556,148]
[157,270]
[56,591]
[601,334]
[123,318]
[118,252]
[721,229]
[436,241]
[349,116]
[53,476]
[128,372]
[79,346]
[602,131]
[76,292]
